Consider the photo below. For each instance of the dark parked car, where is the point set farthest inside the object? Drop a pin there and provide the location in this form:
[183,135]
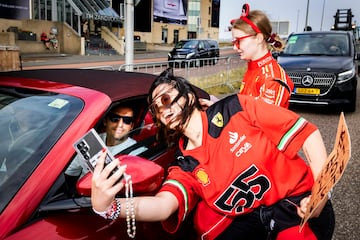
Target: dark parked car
[194,52]
[42,113]
[323,67]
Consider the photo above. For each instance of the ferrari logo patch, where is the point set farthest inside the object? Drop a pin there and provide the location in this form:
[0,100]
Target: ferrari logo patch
[202,177]
[218,120]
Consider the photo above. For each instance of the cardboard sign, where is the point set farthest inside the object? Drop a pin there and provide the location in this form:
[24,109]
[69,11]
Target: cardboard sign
[333,169]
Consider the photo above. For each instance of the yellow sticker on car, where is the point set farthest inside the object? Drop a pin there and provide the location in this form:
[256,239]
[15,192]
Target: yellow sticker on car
[310,91]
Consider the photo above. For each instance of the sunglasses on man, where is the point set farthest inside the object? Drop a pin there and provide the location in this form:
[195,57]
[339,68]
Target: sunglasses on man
[114,118]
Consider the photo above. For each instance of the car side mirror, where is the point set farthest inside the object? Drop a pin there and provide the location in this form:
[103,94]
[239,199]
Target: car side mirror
[146,175]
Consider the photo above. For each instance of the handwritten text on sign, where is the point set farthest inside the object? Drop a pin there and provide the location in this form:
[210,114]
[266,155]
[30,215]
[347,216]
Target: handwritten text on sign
[333,169]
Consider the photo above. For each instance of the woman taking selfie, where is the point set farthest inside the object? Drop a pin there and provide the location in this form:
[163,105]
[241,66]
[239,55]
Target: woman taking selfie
[237,166]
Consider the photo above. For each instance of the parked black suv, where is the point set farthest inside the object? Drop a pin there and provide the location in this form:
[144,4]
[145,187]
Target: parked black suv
[323,67]
[194,52]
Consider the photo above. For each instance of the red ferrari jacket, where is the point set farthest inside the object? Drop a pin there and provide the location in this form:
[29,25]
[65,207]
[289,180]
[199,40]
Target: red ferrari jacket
[248,158]
[267,80]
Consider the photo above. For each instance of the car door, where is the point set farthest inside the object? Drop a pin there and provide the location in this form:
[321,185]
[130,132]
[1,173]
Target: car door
[202,50]
[65,214]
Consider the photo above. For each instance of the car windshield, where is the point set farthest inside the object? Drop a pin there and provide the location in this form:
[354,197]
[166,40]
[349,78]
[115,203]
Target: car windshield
[186,44]
[31,122]
[329,44]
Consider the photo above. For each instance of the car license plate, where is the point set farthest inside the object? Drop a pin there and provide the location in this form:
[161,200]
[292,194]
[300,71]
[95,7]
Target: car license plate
[310,91]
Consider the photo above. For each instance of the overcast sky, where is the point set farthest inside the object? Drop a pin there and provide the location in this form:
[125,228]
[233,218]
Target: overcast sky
[293,11]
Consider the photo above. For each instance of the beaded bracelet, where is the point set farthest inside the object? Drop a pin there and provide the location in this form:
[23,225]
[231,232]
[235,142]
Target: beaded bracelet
[113,212]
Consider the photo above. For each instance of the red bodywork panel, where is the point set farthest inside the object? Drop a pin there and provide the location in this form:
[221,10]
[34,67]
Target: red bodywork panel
[98,90]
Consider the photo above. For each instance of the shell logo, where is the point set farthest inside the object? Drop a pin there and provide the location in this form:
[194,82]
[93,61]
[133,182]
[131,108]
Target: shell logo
[202,177]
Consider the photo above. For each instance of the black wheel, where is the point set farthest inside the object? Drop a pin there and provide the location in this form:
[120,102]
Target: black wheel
[351,107]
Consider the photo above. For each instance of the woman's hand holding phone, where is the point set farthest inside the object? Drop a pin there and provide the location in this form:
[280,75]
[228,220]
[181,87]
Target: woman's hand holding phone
[106,182]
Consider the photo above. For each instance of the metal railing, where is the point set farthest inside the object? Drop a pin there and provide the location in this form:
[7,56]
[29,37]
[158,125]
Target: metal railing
[105,67]
[205,73]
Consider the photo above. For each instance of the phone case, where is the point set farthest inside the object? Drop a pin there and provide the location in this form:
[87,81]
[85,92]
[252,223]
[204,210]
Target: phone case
[89,147]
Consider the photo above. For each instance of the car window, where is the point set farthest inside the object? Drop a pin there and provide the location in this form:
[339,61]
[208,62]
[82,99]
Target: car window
[318,44]
[30,124]
[337,45]
[179,44]
[141,141]
[145,137]
[187,44]
[207,44]
[213,44]
[126,135]
[201,45]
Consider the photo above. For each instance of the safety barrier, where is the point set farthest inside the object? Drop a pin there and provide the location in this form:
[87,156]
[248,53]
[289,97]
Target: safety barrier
[205,73]
[104,67]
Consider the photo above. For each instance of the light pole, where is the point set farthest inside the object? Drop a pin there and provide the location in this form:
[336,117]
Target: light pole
[129,34]
[322,15]
[297,20]
[306,18]
[199,26]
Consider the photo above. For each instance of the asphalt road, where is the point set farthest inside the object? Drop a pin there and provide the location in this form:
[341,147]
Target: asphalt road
[46,61]
[346,192]
[345,195]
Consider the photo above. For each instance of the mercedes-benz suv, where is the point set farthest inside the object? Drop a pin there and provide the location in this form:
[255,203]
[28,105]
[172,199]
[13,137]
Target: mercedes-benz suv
[194,52]
[323,67]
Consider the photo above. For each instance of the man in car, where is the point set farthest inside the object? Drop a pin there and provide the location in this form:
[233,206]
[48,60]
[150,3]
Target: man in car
[118,123]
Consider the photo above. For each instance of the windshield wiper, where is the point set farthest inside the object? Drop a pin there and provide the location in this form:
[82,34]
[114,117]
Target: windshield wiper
[305,54]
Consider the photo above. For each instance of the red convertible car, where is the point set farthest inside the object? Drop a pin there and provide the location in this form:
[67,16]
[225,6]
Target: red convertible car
[42,113]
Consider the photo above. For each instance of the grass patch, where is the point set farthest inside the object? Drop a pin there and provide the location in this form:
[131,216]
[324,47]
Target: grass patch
[225,44]
[220,83]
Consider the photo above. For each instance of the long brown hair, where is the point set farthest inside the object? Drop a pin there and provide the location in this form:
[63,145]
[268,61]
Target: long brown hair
[185,89]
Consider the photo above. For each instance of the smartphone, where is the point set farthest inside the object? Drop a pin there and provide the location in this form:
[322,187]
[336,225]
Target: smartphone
[89,147]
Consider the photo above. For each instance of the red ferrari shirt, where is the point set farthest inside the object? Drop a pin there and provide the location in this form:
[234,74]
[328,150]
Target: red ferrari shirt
[266,79]
[248,158]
